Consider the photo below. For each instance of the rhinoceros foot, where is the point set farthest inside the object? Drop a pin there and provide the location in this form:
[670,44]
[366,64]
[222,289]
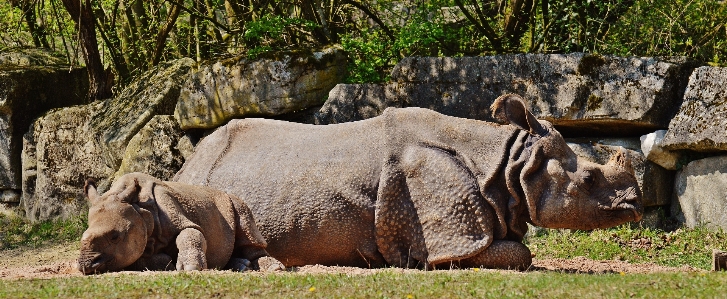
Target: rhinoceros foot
[238,264]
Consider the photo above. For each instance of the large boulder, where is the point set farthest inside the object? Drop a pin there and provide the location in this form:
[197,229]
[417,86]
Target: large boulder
[701,190]
[655,182]
[32,81]
[702,118]
[580,93]
[66,146]
[158,149]
[269,86]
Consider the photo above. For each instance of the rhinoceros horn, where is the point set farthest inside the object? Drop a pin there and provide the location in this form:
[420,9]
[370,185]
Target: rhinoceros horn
[620,159]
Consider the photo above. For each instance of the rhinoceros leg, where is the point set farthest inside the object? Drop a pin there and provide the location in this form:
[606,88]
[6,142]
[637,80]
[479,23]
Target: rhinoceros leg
[429,210]
[249,243]
[501,254]
[192,248]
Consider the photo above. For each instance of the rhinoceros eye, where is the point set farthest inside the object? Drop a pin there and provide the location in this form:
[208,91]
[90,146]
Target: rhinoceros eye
[114,236]
[589,178]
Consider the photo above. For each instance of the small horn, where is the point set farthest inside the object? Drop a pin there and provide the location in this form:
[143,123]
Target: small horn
[89,189]
[621,159]
[131,193]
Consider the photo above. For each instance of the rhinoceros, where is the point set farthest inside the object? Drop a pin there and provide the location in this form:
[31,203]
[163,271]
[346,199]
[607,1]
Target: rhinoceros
[412,187]
[145,223]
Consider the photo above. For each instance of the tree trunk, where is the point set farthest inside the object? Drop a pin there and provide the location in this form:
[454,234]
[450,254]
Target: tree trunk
[82,15]
[37,31]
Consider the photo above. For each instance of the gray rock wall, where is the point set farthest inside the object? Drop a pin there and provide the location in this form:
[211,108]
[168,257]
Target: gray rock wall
[595,97]
[701,123]
[583,95]
[158,149]
[701,192]
[31,83]
[68,145]
[236,87]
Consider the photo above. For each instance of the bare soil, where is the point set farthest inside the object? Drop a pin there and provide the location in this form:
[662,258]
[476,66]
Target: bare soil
[58,261]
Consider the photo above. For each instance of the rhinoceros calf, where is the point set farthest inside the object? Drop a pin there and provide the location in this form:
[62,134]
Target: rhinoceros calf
[411,187]
[145,223]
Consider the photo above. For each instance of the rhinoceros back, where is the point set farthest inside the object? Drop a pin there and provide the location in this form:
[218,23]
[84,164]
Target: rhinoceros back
[307,186]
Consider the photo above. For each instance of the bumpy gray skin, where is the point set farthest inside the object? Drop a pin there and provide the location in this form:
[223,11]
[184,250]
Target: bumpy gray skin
[144,223]
[412,187]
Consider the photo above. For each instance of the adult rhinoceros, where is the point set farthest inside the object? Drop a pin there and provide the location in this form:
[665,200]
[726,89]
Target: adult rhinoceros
[411,187]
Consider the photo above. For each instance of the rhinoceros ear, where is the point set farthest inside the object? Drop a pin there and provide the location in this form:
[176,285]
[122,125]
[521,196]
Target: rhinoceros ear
[131,192]
[89,189]
[511,109]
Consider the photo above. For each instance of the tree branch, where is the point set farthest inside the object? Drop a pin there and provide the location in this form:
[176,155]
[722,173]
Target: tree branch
[196,15]
[373,16]
[164,33]
[484,28]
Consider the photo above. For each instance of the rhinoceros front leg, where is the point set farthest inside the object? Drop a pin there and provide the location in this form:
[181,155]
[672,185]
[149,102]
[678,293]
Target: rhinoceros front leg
[501,254]
[192,248]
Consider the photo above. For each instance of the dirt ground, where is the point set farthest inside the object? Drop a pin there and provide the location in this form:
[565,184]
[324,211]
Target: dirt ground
[59,261]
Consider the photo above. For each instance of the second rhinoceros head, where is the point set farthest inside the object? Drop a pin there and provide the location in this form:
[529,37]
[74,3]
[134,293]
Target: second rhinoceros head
[117,231]
[564,191]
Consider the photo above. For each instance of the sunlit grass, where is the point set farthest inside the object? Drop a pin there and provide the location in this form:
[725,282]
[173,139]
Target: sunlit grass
[691,247]
[16,231]
[385,284]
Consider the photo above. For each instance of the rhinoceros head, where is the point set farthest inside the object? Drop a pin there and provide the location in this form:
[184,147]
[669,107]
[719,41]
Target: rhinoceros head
[117,229]
[563,191]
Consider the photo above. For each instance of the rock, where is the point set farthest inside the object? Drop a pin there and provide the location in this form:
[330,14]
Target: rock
[348,102]
[656,183]
[59,153]
[581,94]
[32,81]
[22,57]
[9,196]
[158,149]
[271,86]
[701,191]
[651,146]
[654,217]
[66,146]
[700,123]
[269,264]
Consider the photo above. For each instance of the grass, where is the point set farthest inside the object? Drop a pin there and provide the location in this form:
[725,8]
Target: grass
[385,284]
[691,247]
[16,231]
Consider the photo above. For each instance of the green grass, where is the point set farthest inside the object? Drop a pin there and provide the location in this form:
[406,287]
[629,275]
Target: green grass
[385,284]
[16,231]
[636,245]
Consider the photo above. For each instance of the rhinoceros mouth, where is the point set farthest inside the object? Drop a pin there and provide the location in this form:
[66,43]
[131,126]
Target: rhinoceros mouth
[94,263]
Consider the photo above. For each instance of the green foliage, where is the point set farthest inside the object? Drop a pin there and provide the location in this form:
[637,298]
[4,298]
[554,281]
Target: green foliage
[384,284]
[16,231]
[636,245]
[376,34]
[692,28]
[271,33]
